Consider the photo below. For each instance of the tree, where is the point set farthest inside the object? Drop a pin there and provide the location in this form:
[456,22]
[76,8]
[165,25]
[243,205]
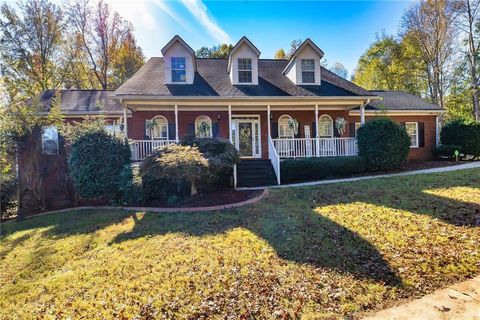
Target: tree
[221,51]
[101,33]
[31,50]
[468,23]
[203,52]
[127,61]
[431,25]
[340,70]
[294,45]
[280,54]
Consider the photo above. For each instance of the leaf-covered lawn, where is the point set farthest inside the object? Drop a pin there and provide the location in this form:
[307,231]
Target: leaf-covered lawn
[319,252]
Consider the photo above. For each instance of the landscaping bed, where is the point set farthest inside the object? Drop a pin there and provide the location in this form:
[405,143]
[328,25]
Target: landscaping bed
[335,251]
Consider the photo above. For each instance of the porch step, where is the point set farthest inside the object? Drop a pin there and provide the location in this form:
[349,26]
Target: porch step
[255,173]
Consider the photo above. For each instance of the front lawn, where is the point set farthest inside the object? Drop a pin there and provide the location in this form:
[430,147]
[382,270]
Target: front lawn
[320,252]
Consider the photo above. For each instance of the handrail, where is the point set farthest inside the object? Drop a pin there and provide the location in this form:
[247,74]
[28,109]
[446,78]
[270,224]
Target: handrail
[274,158]
[315,147]
[143,148]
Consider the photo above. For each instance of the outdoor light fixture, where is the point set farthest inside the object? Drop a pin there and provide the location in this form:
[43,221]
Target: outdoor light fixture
[218,116]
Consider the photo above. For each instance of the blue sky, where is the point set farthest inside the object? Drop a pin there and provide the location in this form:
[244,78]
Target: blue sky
[342,29]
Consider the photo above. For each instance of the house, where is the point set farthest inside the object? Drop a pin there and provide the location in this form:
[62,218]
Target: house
[269,109]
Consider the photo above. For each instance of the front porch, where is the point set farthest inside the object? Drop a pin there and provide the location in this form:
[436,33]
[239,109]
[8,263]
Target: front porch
[271,133]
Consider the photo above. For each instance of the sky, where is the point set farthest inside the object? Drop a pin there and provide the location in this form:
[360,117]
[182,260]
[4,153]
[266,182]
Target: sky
[342,29]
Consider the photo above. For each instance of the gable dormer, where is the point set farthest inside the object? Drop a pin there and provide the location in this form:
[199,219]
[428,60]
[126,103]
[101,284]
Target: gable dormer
[303,68]
[243,63]
[179,62]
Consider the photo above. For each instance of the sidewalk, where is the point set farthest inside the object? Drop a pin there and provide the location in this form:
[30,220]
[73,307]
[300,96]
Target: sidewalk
[469,165]
[457,302]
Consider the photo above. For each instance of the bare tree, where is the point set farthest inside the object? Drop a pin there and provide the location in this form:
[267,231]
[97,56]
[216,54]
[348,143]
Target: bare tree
[431,24]
[101,33]
[467,20]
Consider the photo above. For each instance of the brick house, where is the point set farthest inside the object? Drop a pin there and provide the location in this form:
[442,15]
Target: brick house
[269,109]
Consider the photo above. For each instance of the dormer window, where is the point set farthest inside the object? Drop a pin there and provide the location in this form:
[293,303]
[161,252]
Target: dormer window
[308,71]
[244,70]
[179,69]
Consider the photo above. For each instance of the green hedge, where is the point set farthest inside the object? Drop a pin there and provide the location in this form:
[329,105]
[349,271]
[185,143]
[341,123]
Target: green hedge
[96,162]
[446,152]
[383,144]
[462,134]
[305,169]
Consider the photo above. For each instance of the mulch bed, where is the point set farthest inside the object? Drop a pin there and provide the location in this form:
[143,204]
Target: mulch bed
[217,198]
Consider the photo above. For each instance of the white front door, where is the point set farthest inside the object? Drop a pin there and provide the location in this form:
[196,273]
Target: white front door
[246,135]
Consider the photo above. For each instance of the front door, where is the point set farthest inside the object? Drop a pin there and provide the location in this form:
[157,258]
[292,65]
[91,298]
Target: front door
[246,136]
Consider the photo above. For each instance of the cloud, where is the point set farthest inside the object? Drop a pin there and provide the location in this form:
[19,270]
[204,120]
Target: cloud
[136,12]
[172,14]
[198,9]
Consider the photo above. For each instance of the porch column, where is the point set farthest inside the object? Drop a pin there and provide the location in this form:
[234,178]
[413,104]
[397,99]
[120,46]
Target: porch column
[230,123]
[268,121]
[125,128]
[317,141]
[437,131]
[176,123]
[362,114]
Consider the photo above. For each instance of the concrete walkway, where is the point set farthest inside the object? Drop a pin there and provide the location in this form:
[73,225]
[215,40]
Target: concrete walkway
[457,302]
[469,165]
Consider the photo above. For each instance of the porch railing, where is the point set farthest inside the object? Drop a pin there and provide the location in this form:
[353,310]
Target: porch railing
[274,158]
[143,148]
[315,147]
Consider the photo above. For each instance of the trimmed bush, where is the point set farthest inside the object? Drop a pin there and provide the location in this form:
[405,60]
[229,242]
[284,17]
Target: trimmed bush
[305,169]
[96,162]
[445,151]
[462,134]
[129,186]
[8,195]
[383,144]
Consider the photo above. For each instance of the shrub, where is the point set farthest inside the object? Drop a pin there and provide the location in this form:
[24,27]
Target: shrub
[129,186]
[8,195]
[462,134]
[383,144]
[445,151]
[95,163]
[305,169]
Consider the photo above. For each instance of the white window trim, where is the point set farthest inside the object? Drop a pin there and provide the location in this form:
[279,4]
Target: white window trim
[332,128]
[314,73]
[56,141]
[153,130]
[172,69]
[278,125]
[209,120]
[238,71]
[416,135]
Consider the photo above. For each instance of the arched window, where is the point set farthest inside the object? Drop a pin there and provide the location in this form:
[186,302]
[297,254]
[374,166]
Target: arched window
[325,126]
[284,129]
[160,130]
[203,127]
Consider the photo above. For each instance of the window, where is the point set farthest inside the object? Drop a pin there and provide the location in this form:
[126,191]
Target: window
[113,129]
[160,130]
[308,71]
[245,70]
[412,130]
[179,69]
[203,127]
[284,130]
[325,126]
[50,140]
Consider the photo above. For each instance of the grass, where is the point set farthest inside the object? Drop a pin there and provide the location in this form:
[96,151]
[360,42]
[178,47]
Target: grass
[325,252]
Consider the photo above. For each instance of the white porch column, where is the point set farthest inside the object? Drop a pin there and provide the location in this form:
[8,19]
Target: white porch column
[230,123]
[125,127]
[437,131]
[317,141]
[362,114]
[176,122]
[268,121]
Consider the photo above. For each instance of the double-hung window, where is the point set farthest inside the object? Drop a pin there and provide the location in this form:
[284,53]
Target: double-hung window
[179,69]
[308,71]
[50,140]
[244,70]
[412,130]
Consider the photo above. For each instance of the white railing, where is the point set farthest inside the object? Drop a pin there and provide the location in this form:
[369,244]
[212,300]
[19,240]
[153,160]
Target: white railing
[315,147]
[274,158]
[143,148]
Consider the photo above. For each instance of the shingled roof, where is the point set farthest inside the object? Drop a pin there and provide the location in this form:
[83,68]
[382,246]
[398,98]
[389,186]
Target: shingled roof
[211,79]
[82,101]
[401,100]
